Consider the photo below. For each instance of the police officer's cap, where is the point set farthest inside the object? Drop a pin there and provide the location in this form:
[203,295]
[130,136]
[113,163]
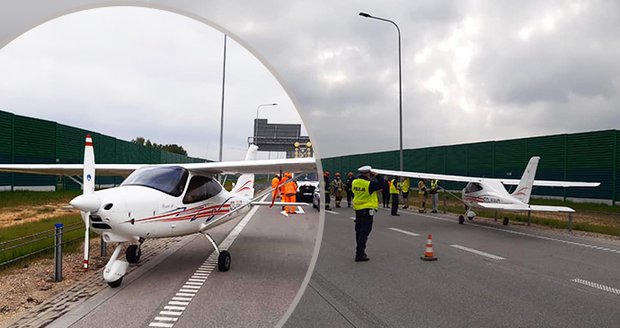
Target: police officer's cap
[365,169]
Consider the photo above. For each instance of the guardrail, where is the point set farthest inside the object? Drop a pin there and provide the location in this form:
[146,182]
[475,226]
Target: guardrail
[15,250]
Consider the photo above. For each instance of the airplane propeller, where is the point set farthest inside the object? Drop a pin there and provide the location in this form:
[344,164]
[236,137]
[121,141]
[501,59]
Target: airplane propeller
[87,202]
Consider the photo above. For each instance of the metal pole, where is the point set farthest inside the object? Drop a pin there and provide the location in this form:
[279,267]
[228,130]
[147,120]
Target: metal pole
[103,250]
[222,114]
[58,252]
[400,85]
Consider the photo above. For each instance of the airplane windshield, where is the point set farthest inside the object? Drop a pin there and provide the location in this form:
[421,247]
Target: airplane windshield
[168,179]
[473,187]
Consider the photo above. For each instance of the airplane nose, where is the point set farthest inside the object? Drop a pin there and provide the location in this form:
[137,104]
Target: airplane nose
[86,203]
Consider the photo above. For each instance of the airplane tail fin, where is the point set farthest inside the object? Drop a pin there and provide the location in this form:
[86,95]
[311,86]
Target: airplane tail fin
[524,189]
[245,184]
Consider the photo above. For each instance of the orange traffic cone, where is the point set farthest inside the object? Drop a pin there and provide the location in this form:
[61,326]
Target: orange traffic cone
[428,252]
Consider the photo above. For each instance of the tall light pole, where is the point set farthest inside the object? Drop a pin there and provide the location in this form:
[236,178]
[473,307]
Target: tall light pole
[400,84]
[223,84]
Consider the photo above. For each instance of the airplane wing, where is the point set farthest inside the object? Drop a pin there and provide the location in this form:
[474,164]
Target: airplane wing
[70,169]
[459,178]
[519,207]
[546,183]
[430,176]
[234,167]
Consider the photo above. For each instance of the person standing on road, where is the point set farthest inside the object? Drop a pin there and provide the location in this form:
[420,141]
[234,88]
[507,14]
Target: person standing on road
[405,189]
[385,191]
[394,191]
[422,192]
[434,194]
[349,188]
[290,193]
[327,187]
[366,205]
[337,189]
[274,187]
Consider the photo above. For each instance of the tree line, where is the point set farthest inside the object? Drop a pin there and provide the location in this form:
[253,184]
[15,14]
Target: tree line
[173,148]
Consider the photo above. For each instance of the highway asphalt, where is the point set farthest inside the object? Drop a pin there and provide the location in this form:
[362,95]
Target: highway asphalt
[487,275]
[270,259]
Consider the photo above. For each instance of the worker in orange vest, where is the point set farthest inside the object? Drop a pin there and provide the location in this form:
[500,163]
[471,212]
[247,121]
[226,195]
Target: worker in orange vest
[290,192]
[281,187]
[274,187]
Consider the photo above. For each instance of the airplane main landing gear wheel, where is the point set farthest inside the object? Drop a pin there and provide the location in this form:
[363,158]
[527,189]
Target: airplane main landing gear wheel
[223,261]
[116,283]
[133,254]
[505,220]
[461,219]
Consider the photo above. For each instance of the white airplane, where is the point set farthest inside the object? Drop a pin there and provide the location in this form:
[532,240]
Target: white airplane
[490,193]
[156,201]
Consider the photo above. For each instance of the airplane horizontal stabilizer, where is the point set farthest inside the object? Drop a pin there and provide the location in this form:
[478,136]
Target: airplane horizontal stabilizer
[519,207]
[547,183]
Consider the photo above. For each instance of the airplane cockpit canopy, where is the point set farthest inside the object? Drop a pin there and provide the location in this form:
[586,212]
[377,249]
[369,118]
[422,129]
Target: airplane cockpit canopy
[168,179]
[472,187]
[201,188]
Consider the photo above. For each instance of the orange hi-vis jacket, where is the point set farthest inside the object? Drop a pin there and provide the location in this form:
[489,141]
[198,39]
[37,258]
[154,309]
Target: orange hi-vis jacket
[290,188]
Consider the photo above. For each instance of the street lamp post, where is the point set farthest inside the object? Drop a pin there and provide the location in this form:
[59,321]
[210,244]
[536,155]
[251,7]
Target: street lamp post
[400,84]
[261,105]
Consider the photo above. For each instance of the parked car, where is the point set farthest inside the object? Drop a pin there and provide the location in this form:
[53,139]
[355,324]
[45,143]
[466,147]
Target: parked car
[307,183]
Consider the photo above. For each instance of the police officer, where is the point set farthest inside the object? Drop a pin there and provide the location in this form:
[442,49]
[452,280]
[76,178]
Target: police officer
[394,191]
[365,204]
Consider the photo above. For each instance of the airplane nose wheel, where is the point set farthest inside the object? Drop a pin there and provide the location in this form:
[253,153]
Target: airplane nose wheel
[223,261]
[116,283]
[461,219]
[133,253]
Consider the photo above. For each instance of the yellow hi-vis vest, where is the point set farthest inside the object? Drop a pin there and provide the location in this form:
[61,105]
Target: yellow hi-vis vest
[361,198]
[394,186]
[405,185]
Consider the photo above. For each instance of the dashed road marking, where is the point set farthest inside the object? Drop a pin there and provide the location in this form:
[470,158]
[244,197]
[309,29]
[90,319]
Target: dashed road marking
[405,232]
[177,305]
[352,218]
[332,212]
[597,286]
[471,250]
[600,248]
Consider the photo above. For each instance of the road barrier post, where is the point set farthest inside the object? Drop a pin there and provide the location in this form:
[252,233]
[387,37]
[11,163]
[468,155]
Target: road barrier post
[58,252]
[570,222]
[529,218]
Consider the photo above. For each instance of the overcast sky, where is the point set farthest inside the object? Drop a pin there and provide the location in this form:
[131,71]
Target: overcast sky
[472,71]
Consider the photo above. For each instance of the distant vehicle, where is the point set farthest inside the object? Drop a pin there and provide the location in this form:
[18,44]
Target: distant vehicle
[307,183]
[316,198]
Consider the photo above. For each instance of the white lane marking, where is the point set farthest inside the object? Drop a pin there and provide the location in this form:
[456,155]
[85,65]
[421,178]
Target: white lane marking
[597,286]
[352,218]
[405,232]
[332,212]
[174,308]
[300,210]
[471,250]
[178,303]
[196,280]
[617,251]
[186,299]
[205,270]
[165,319]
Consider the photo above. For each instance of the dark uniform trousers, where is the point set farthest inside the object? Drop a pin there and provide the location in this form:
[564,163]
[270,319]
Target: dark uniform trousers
[363,226]
[394,204]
